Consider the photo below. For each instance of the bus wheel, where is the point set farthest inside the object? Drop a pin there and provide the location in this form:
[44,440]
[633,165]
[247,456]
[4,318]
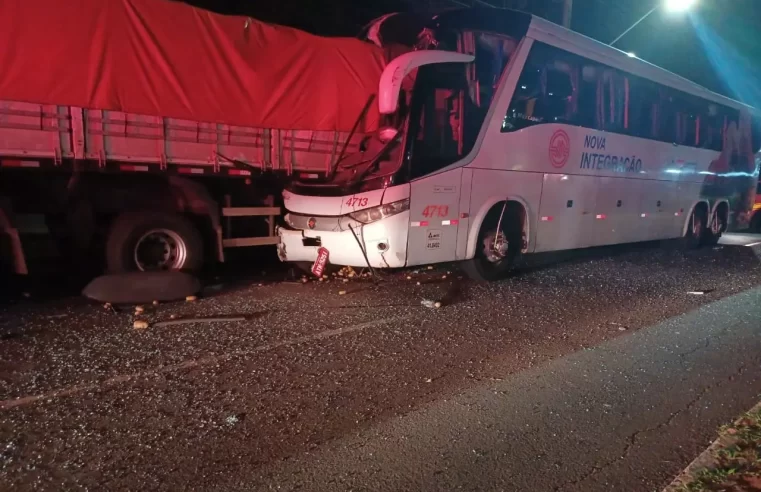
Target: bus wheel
[153,241]
[496,251]
[716,227]
[696,230]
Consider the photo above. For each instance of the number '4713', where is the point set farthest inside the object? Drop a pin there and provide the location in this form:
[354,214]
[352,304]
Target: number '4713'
[356,202]
[436,211]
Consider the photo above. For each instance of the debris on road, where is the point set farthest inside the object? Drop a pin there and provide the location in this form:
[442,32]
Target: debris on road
[140,325]
[431,304]
[700,292]
[139,309]
[142,287]
[186,321]
[191,298]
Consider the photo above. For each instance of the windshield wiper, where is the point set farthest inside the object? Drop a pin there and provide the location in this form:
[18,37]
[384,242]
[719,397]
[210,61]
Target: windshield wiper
[359,119]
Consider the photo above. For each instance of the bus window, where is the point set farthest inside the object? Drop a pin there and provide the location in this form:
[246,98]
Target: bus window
[436,126]
[545,93]
[643,108]
[709,130]
[755,128]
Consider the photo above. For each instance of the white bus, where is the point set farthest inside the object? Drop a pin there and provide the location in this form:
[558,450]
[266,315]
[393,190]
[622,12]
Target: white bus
[508,135]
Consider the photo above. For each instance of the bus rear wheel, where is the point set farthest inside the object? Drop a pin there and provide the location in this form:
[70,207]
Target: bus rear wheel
[696,229]
[716,227]
[499,246]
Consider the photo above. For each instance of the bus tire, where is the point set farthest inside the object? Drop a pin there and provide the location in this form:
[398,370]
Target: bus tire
[490,265]
[696,228]
[153,241]
[716,227]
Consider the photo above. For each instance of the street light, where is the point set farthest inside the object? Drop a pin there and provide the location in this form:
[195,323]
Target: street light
[673,6]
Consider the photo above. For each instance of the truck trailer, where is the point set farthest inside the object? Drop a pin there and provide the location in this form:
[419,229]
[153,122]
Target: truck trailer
[152,135]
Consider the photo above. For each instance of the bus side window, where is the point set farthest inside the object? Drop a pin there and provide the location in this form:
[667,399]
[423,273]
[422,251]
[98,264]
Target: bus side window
[545,93]
[709,129]
[755,129]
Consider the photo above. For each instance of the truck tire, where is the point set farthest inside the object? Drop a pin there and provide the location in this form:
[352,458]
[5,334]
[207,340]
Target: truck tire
[153,241]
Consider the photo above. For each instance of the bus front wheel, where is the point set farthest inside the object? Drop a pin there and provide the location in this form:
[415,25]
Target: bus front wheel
[497,250]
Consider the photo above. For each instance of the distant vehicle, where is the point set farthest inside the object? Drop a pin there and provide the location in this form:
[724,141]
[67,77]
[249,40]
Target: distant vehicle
[508,135]
[159,140]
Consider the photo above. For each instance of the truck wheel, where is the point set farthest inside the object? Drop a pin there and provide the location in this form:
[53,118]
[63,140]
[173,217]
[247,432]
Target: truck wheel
[149,241]
[496,251]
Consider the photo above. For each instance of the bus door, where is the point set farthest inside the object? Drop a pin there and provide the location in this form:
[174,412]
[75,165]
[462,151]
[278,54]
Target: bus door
[434,218]
[436,144]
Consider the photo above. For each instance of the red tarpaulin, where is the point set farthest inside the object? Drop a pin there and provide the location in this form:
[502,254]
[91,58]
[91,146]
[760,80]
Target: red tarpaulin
[166,58]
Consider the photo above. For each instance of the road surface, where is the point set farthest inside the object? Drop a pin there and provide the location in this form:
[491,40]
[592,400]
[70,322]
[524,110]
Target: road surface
[601,373]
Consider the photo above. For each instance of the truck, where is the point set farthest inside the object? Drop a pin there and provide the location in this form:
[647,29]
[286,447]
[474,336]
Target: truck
[145,135]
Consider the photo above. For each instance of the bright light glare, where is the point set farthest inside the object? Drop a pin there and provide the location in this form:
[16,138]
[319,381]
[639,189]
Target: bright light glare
[631,55]
[679,5]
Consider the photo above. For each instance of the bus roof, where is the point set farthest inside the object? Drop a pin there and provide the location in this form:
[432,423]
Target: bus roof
[516,23]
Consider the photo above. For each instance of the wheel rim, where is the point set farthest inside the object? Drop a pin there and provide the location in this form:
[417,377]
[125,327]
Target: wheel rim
[160,249]
[495,247]
[697,224]
[715,224]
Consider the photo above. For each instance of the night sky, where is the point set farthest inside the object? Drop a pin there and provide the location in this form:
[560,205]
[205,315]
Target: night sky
[672,42]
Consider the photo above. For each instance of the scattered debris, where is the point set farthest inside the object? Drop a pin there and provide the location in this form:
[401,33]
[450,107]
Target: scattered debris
[341,292]
[139,309]
[431,304]
[232,420]
[186,321]
[700,292]
[191,298]
[140,325]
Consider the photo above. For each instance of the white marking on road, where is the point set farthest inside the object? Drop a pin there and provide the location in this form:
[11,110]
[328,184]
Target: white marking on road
[191,364]
[753,244]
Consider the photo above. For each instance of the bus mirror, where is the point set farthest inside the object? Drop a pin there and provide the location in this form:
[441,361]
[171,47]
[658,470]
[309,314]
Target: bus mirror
[400,67]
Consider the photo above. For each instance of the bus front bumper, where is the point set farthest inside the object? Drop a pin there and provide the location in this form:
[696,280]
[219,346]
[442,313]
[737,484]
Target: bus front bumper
[384,241]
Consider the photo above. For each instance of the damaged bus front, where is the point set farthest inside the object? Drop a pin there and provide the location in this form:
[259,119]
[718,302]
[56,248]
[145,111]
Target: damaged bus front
[360,216]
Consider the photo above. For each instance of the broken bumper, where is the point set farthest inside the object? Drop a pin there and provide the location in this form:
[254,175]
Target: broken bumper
[385,242]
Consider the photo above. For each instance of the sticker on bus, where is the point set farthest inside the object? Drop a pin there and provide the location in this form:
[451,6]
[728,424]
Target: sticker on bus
[434,239]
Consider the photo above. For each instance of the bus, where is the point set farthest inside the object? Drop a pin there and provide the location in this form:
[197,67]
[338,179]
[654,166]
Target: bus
[506,135]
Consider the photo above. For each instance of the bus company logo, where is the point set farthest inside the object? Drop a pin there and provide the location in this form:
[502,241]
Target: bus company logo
[560,149]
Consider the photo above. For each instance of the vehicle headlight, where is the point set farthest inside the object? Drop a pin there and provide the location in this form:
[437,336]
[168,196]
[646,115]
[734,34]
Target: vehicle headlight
[369,215]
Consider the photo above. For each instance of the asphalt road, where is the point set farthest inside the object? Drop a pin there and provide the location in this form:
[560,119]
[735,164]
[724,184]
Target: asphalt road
[602,373]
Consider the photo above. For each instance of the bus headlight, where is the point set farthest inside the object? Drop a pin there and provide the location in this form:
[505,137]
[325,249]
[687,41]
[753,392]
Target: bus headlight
[369,215]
